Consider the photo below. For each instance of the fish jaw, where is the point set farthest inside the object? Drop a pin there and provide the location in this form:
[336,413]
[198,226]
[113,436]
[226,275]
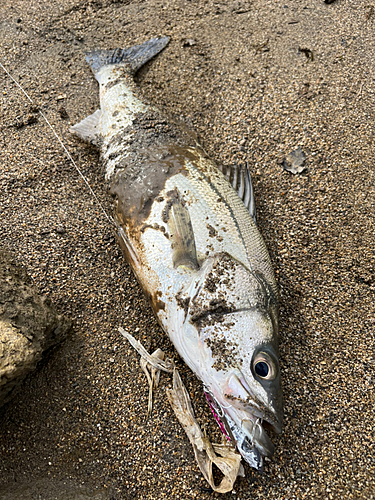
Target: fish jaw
[249,407]
[243,424]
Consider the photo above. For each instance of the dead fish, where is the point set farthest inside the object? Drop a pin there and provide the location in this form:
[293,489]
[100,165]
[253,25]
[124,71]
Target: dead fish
[189,233]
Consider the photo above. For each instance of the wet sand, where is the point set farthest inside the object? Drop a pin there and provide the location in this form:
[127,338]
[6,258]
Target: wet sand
[255,80]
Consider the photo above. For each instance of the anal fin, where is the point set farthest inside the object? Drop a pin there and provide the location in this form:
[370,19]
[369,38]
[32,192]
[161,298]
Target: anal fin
[88,128]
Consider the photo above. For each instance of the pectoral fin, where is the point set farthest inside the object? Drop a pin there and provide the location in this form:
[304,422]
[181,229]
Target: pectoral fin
[88,128]
[181,231]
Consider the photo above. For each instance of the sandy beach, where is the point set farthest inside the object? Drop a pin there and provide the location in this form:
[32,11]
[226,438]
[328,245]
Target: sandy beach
[255,80]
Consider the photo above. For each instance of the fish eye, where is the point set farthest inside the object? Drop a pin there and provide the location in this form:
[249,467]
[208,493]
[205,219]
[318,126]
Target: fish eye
[264,367]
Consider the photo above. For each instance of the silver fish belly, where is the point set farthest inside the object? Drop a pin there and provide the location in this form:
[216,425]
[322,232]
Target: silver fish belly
[190,235]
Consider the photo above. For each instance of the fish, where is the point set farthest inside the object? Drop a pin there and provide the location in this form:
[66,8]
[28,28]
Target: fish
[188,229]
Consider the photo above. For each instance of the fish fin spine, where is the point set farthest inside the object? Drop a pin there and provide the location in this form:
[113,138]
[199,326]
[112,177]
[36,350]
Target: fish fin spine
[240,179]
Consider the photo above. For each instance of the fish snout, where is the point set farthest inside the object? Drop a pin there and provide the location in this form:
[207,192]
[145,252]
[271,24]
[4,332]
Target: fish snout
[239,394]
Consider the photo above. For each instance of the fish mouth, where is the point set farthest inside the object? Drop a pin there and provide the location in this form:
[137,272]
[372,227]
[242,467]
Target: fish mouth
[249,436]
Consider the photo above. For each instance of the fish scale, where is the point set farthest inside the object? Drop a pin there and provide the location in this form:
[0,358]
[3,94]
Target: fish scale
[244,243]
[195,249]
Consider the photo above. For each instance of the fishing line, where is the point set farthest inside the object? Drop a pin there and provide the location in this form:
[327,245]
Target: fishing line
[108,217]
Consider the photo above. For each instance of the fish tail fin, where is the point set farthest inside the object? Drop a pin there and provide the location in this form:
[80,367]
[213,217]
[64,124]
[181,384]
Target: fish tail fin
[133,58]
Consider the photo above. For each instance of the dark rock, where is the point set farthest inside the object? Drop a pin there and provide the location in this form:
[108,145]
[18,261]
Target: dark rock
[60,230]
[63,113]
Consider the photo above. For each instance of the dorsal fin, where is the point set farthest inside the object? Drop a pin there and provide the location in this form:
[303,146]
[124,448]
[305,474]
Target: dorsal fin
[176,215]
[240,180]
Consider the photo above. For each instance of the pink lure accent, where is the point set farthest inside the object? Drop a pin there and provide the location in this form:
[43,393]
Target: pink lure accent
[221,425]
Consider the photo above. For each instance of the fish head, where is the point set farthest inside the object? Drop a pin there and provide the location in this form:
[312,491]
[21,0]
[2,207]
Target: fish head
[236,356]
[243,383]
